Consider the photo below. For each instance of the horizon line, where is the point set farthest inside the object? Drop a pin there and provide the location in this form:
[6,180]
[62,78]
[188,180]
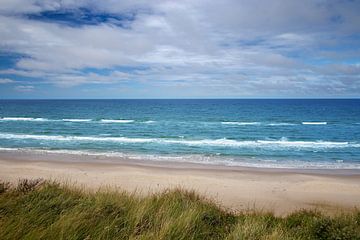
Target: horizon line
[250,98]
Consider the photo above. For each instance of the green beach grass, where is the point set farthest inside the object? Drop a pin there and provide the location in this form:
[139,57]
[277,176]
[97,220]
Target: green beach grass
[37,209]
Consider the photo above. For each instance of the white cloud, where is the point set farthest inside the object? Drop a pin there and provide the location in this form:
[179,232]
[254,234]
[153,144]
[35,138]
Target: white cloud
[22,88]
[226,44]
[6,80]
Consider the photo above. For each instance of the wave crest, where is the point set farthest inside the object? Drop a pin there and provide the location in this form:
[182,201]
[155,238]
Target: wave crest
[199,159]
[241,123]
[76,120]
[23,119]
[223,142]
[116,121]
[314,123]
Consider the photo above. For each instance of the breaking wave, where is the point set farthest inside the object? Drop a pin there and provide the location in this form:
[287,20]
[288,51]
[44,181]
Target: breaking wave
[223,142]
[116,121]
[23,119]
[241,123]
[197,158]
[76,120]
[314,123]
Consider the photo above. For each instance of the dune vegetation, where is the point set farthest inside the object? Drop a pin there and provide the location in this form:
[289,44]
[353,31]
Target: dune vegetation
[35,209]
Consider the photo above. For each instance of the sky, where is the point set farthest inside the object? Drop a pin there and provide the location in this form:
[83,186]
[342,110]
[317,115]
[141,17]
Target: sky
[179,49]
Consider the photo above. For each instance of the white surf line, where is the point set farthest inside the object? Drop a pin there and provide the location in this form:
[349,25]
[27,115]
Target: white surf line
[314,123]
[116,121]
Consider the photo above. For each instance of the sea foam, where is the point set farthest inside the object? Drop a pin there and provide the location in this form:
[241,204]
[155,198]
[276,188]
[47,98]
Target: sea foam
[150,121]
[314,123]
[116,121]
[64,120]
[240,123]
[199,159]
[281,124]
[259,123]
[23,119]
[223,142]
[76,120]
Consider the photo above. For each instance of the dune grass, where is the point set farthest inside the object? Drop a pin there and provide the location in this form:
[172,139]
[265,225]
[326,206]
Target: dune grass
[36,209]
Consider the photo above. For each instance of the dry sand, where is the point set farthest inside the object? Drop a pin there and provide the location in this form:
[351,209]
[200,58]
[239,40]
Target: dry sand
[278,190]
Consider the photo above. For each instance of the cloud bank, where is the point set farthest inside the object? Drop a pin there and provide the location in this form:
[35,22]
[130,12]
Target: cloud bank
[164,49]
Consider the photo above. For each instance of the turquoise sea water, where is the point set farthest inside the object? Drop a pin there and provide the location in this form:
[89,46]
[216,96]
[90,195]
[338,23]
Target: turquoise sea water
[265,133]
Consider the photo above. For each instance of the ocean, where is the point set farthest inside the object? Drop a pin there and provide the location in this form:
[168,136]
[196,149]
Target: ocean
[275,133]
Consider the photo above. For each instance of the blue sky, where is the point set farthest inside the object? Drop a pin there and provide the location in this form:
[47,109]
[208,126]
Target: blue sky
[179,49]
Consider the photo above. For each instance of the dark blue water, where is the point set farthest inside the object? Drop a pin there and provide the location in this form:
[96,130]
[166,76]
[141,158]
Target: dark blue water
[273,133]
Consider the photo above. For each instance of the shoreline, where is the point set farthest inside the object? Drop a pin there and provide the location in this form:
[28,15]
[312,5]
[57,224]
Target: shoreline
[139,160]
[237,188]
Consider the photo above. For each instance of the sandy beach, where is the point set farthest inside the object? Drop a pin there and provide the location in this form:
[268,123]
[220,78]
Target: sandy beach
[278,190]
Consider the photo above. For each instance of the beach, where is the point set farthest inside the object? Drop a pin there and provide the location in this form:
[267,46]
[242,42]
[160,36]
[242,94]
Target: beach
[281,191]
[179,120]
